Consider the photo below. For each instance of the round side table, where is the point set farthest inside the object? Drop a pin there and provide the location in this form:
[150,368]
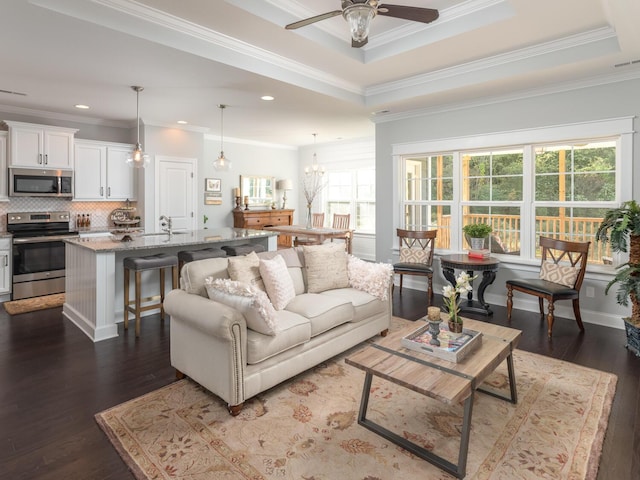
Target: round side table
[488,266]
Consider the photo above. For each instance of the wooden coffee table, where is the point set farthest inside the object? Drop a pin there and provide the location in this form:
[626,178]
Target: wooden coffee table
[448,382]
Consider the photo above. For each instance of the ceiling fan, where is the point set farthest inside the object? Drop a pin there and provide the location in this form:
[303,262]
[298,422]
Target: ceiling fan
[359,13]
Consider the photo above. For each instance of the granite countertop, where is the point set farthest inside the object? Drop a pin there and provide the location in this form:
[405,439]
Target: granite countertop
[113,243]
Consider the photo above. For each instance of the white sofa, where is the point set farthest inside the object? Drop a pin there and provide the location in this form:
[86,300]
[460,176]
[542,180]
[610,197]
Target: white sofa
[211,343]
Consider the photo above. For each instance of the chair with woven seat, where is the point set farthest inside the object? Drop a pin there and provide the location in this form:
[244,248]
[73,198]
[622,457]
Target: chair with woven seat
[317,221]
[416,256]
[341,222]
[556,281]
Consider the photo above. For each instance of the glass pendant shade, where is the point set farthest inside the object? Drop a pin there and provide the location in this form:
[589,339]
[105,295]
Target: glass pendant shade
[359,19]
[138,159]
[222,163]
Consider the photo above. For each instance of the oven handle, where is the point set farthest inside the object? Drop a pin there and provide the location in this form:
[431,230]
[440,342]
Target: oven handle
[52,238]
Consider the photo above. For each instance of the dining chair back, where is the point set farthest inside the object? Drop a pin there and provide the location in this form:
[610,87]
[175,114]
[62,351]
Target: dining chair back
[562,270]
[341,222]
[416,256]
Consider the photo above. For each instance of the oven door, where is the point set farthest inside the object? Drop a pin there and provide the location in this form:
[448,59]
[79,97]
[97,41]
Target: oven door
[38,266]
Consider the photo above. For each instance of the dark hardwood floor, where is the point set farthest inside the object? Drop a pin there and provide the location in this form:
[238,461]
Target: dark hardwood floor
[53,380]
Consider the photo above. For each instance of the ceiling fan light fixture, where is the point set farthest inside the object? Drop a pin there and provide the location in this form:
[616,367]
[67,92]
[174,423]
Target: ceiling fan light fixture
[222,163]
[359,17]
[138,159]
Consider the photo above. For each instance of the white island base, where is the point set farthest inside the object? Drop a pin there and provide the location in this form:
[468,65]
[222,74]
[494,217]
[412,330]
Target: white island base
[94,298]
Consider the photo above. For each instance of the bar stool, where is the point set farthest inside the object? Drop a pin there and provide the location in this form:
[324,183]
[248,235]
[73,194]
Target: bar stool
[138,265]
[243,249]
[187,256]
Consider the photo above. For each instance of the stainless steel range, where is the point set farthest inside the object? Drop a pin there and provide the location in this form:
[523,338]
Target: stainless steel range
[38,252]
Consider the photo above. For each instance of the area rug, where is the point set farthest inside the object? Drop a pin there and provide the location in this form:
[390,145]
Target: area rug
[16,307]
[306,428]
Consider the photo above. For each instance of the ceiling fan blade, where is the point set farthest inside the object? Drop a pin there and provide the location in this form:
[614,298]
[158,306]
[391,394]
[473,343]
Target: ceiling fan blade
[310,20]
[415,14]
[362,43]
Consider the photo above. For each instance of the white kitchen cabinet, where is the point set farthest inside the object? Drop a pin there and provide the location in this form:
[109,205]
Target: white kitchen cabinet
[5,266]
[40,146]
[3,166]
[101,171]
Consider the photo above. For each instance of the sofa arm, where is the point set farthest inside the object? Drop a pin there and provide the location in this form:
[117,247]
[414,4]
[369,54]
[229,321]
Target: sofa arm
[204,314]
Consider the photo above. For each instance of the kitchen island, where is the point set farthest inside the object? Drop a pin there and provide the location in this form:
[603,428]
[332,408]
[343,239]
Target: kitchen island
[94,298]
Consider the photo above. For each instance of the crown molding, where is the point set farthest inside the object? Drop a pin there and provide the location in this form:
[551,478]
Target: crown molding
[65,116]
[244,141]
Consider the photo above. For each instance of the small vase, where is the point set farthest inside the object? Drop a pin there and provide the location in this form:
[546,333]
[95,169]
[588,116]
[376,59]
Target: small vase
[455,327]
[309,216]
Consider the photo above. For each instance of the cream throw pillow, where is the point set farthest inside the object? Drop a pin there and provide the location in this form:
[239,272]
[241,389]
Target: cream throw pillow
[246,269]
[373,278]
[277,281]
[326,267]
[414,255]
[564,275]
[251,302]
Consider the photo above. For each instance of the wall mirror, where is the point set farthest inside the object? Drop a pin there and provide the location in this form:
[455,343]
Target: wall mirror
[261,190]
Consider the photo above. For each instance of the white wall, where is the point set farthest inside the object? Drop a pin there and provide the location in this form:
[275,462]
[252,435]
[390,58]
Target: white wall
[600,102]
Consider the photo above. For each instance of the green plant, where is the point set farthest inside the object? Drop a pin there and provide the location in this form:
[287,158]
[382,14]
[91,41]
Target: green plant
[621,229]
[477,230]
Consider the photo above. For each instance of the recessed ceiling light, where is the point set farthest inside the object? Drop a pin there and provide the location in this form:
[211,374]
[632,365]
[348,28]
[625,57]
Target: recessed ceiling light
[81,106]
[267,98]
[182,122]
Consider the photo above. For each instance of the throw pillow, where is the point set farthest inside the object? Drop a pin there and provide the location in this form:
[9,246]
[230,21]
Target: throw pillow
[326,267]
[246,269]
[248,300]
[277,281]
[414,255]
[564,275]
[373,278]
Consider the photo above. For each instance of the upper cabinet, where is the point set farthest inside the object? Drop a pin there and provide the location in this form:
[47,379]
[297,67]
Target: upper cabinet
[101,171]
[40,146]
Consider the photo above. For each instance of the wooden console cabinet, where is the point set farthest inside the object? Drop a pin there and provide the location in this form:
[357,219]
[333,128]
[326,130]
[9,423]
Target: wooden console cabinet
[258,219]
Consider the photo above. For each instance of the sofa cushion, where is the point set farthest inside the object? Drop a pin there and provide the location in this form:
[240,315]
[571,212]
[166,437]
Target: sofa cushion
[277,281]
[324,312]
[373,278]
[246,269]
[364,304]
[194,274]
[248,300]
[293,330]
[326,267]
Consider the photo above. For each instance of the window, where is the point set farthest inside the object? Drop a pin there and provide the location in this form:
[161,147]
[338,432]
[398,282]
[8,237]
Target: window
[546,185]
[352,192]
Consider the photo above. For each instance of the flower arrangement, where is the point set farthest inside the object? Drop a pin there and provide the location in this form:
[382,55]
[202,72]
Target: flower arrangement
[453,294]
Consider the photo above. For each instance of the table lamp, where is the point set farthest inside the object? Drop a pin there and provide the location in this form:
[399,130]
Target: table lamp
[284,185]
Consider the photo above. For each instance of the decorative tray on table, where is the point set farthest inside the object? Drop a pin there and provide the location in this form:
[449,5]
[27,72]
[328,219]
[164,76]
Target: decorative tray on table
[453,347]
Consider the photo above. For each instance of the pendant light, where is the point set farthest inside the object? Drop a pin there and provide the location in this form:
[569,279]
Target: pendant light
[221,162]
[138,158]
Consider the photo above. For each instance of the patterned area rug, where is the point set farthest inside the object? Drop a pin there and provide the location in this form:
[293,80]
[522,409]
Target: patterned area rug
[16,307]
[306,428]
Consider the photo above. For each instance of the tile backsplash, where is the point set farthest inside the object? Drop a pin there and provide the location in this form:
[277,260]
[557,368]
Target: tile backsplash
[100,211]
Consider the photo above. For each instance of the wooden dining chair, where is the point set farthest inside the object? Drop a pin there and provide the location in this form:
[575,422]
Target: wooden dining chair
[317,221]
[556,281]
[341,222]
[416,256]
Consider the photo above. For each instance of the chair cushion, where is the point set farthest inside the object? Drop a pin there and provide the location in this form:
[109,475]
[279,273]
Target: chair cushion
[414,255]
[150,262]
[543,286]
[564,275]
[419,268]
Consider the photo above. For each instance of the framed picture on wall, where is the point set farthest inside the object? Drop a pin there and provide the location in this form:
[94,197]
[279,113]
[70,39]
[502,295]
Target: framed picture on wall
[212,198]
[212,185]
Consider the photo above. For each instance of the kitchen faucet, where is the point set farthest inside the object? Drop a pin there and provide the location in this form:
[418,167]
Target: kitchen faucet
[166,224]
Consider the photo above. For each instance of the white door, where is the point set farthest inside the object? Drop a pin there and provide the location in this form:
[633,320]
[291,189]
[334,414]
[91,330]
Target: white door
[175,192]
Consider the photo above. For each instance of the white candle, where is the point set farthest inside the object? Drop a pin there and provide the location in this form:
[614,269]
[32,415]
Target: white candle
[433,313]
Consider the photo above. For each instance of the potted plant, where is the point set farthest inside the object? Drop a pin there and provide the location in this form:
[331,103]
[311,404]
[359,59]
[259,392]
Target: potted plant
[476,234]
[621,229]
[452,296]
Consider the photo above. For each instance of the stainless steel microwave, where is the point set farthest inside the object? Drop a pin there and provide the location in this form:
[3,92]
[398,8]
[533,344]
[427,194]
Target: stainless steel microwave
[32,182]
